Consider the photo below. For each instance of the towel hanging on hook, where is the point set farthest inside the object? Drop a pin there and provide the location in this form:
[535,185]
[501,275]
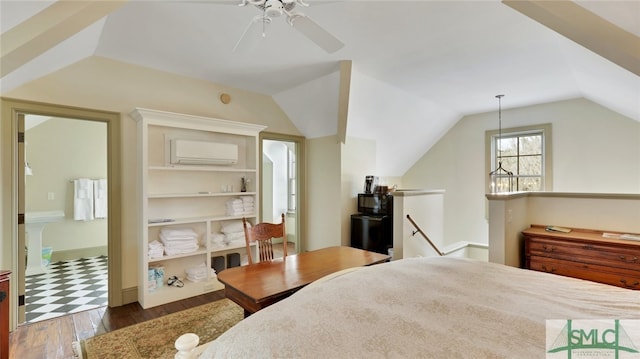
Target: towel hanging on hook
[83,199]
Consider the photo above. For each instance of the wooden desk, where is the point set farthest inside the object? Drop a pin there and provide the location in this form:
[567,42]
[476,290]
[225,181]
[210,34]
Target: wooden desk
[257,286]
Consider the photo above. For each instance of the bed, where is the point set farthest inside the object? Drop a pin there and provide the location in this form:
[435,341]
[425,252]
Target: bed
[435,307]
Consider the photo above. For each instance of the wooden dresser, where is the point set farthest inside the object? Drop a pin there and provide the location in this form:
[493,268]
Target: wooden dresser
[584,254]
[4,314]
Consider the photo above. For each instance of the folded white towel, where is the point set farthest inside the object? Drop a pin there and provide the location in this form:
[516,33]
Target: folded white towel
[169,232]
[217,237]
[177,239]
[153,254]
[83,199]
[198,273]
[176,251]
[181,245]
[233,226]
[233,236]
[156,250]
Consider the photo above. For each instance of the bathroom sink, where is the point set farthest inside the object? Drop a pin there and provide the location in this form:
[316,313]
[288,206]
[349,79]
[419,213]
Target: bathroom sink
[43,216]
[35,222]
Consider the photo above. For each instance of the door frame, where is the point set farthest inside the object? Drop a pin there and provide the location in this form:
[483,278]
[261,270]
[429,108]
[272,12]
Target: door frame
[13,223]
[301,183]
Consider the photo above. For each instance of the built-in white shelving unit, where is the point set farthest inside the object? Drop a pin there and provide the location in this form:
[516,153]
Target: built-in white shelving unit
[189,196]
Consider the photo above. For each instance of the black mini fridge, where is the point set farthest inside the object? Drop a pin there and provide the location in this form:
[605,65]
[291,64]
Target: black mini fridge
[372,232]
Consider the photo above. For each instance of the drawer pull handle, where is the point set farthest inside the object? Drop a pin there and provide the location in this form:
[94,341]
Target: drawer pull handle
[549,270]
[548,249]
[632,260]
[3,295]
[624,281]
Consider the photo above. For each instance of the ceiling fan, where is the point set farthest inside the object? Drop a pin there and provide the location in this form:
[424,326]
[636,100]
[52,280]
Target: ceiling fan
[276,8]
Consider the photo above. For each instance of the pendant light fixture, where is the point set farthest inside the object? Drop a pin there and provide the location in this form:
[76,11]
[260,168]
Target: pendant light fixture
[501,179]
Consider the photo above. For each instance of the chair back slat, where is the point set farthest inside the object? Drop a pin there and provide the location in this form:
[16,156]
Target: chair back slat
[263,234]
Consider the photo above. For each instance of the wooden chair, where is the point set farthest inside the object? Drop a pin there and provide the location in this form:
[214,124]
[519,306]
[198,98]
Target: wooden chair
[263,233]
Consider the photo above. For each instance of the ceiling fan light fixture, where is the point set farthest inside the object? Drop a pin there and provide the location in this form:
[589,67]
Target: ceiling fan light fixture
[273,8]
[276,8]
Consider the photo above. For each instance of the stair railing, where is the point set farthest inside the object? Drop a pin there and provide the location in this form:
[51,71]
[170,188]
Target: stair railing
[418,230]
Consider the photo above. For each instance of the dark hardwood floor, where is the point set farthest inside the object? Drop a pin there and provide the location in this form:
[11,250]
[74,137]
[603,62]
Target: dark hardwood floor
[51,339]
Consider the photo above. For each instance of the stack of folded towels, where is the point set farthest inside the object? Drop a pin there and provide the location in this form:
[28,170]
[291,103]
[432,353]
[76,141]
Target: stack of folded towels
[232,234]
[217,240]
[179,240]
[241,206]
[235,207]
[234,239]
[156,250]
[199,272]
[247,204]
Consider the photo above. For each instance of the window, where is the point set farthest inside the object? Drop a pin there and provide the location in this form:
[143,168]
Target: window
[526,153]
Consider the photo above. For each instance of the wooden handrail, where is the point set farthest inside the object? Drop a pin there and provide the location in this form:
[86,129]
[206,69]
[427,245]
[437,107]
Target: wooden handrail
[418,230]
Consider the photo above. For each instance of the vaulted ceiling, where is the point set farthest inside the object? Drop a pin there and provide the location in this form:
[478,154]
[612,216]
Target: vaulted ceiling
[417,66]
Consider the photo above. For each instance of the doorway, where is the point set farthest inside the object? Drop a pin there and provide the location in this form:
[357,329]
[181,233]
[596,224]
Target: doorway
[282,185]
[65,216]
[15,143]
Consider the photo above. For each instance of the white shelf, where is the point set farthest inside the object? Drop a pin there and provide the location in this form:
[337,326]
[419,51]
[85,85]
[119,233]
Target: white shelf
[199,252]
[175,221]
[163,193]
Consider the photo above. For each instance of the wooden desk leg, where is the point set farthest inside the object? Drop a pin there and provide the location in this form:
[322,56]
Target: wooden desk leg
[247,313]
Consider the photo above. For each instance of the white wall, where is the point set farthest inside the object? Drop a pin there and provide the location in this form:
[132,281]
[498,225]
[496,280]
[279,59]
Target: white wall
[60,150]
[358,161]
[593,149]
[324,193]
[373,107]
[425,209]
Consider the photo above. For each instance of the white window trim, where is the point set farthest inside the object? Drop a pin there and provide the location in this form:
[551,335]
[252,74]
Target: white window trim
[547,168]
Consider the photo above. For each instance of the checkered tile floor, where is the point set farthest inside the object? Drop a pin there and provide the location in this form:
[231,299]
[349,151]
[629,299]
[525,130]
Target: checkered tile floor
[68,287]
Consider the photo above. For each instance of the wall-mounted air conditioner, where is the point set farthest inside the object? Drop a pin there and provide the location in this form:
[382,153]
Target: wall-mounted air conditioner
[201,152]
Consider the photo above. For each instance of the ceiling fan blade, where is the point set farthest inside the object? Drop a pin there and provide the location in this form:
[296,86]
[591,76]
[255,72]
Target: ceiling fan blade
[316,33]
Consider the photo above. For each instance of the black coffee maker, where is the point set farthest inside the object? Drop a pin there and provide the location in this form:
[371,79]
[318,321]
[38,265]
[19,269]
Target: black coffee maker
[370,184]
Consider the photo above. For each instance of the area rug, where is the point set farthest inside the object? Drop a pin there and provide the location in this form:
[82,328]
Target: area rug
[155,338]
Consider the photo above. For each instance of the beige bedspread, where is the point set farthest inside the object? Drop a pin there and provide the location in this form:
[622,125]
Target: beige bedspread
[423,308]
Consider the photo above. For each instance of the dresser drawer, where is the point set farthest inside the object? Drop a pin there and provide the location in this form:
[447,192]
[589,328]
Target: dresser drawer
[584,254]
[593,272]
[587,252]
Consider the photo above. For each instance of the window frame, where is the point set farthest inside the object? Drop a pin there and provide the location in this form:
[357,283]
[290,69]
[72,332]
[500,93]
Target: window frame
[547,168]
